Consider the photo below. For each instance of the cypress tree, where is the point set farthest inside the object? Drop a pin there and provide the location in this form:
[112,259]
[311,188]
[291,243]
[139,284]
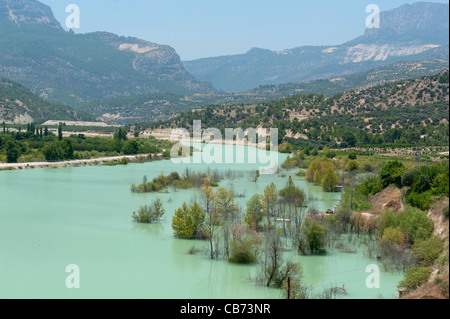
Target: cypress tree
[60,135]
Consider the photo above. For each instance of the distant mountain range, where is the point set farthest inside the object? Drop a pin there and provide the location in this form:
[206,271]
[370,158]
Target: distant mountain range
[408,33]
[154,107]
[74,69]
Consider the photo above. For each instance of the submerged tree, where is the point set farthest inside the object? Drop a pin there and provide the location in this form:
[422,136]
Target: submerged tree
[274,270]
[329,181]
[292,195]
[149,214]
[314,240]
[244,245]
[187,221]
[227,212]
[255,212]
[207,199]
[270,202]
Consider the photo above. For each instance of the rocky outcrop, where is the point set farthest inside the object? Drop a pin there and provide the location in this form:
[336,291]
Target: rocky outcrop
[26,12]
[154,60]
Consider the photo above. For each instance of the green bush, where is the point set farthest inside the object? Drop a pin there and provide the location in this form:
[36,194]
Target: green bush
[187,221]
[352,166]
[415,277]
[440,184]
[13,152]
[428,250]
[243,251]
[360,200]
[408,178]
[330,154]
[421,184]
[392,173]
[371,186]
[416,223]
[315,234]
[445,212]
[149,214]
[368,167]
[329,181]
[53,152]
[422,201]
[131,148]
[394,235]
[352,155]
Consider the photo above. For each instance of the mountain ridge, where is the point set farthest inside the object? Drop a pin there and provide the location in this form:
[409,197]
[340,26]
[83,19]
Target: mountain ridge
[424,29]
[76,68]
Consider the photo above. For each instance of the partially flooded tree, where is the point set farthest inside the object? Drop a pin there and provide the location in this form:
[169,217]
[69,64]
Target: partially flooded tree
[253,176]
[255,212]
[149,214]
[227,211]
[207,199]
[274,271]
[187,221]
[291,204]
[270,203]
[394,252]
[313,240]
[244,245]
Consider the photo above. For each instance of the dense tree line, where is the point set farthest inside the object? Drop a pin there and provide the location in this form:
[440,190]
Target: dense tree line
[39,144]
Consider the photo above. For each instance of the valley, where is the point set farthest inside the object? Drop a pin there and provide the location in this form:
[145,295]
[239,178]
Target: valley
[103,170]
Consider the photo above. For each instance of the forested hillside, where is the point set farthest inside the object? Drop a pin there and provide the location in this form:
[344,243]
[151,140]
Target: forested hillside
[19,105]
[405,112]
[154,107]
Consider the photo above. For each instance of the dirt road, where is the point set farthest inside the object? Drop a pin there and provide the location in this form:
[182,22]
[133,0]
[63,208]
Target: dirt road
[93,161]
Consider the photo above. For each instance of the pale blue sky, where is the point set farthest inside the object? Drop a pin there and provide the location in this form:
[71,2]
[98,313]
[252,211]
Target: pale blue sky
[204,28]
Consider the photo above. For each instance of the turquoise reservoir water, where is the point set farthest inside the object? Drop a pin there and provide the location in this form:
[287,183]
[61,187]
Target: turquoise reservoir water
[51,218]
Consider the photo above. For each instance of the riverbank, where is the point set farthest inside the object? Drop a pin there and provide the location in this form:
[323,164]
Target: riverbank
[92,161]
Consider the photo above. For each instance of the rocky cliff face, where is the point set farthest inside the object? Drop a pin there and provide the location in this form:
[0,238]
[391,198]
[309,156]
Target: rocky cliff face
[420,23]
[26,12]
[154,60]
[405,34]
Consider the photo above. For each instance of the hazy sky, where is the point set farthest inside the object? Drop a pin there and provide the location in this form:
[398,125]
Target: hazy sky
[204,28]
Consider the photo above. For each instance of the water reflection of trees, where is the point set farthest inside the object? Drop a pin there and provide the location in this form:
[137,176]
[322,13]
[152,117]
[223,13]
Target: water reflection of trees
[151,229]
[185,261]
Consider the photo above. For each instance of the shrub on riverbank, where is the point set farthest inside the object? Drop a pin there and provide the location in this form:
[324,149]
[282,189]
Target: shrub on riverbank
[414,278]
[415,223]
[429,250]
